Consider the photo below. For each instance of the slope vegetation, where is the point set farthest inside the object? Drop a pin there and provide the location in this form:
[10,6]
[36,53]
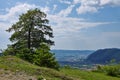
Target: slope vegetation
[13,68]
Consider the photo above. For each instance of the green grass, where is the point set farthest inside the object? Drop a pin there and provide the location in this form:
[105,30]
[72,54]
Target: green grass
[87,75]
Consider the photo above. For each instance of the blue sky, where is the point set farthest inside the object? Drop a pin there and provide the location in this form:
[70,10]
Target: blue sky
[77,24]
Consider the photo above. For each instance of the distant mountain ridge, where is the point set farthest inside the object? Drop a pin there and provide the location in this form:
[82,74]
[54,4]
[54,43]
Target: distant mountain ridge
[104,56]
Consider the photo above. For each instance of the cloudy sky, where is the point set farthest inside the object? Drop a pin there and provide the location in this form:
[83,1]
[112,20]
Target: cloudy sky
[77,24]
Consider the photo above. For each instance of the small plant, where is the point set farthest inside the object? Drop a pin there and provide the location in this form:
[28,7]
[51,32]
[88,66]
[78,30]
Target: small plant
[40,78]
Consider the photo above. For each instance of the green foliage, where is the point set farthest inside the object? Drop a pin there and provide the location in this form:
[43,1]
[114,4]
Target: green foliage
[25,54]
[9,51]
[40,78]
[43,57]
[111,70]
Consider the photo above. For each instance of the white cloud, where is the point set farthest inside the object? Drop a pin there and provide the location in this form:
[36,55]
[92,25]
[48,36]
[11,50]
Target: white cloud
[93,6]
[104,2]
[65,1]
[110,2]
[101,2]
[64,25]
[85,9]
[87,6]
[66,12]
[76,1]
[14,12]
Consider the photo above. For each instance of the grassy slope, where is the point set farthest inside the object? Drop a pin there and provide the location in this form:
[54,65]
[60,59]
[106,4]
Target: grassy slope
[13,65]
[16,65]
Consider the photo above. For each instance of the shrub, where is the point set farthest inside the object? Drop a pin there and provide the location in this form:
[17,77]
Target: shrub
[40,78]
[43,57]
[111,70]
[25,54]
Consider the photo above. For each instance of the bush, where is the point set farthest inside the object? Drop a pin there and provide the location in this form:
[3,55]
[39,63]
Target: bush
[9,51]
[40,78]
[111,70]
[25,54]
[43,57]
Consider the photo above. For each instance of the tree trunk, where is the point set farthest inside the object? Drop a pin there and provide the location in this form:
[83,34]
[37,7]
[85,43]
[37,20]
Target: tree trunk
[29,38]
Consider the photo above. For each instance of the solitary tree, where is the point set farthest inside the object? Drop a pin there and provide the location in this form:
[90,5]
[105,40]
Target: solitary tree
[31,30]
[31,39]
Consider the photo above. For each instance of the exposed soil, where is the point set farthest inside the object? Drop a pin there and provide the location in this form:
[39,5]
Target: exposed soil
[9,75]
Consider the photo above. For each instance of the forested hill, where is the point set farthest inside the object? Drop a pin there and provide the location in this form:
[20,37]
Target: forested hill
[104,56]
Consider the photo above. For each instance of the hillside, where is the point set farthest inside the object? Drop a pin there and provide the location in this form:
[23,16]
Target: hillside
[104,56]
[13,68]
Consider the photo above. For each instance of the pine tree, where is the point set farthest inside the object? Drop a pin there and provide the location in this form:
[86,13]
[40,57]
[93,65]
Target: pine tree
[32,39]
[31,30]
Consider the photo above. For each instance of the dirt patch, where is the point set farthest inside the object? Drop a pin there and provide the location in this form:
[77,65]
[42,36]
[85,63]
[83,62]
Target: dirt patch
[9,75]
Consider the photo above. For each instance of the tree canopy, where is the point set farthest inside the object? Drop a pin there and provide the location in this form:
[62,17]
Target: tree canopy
[31,30]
